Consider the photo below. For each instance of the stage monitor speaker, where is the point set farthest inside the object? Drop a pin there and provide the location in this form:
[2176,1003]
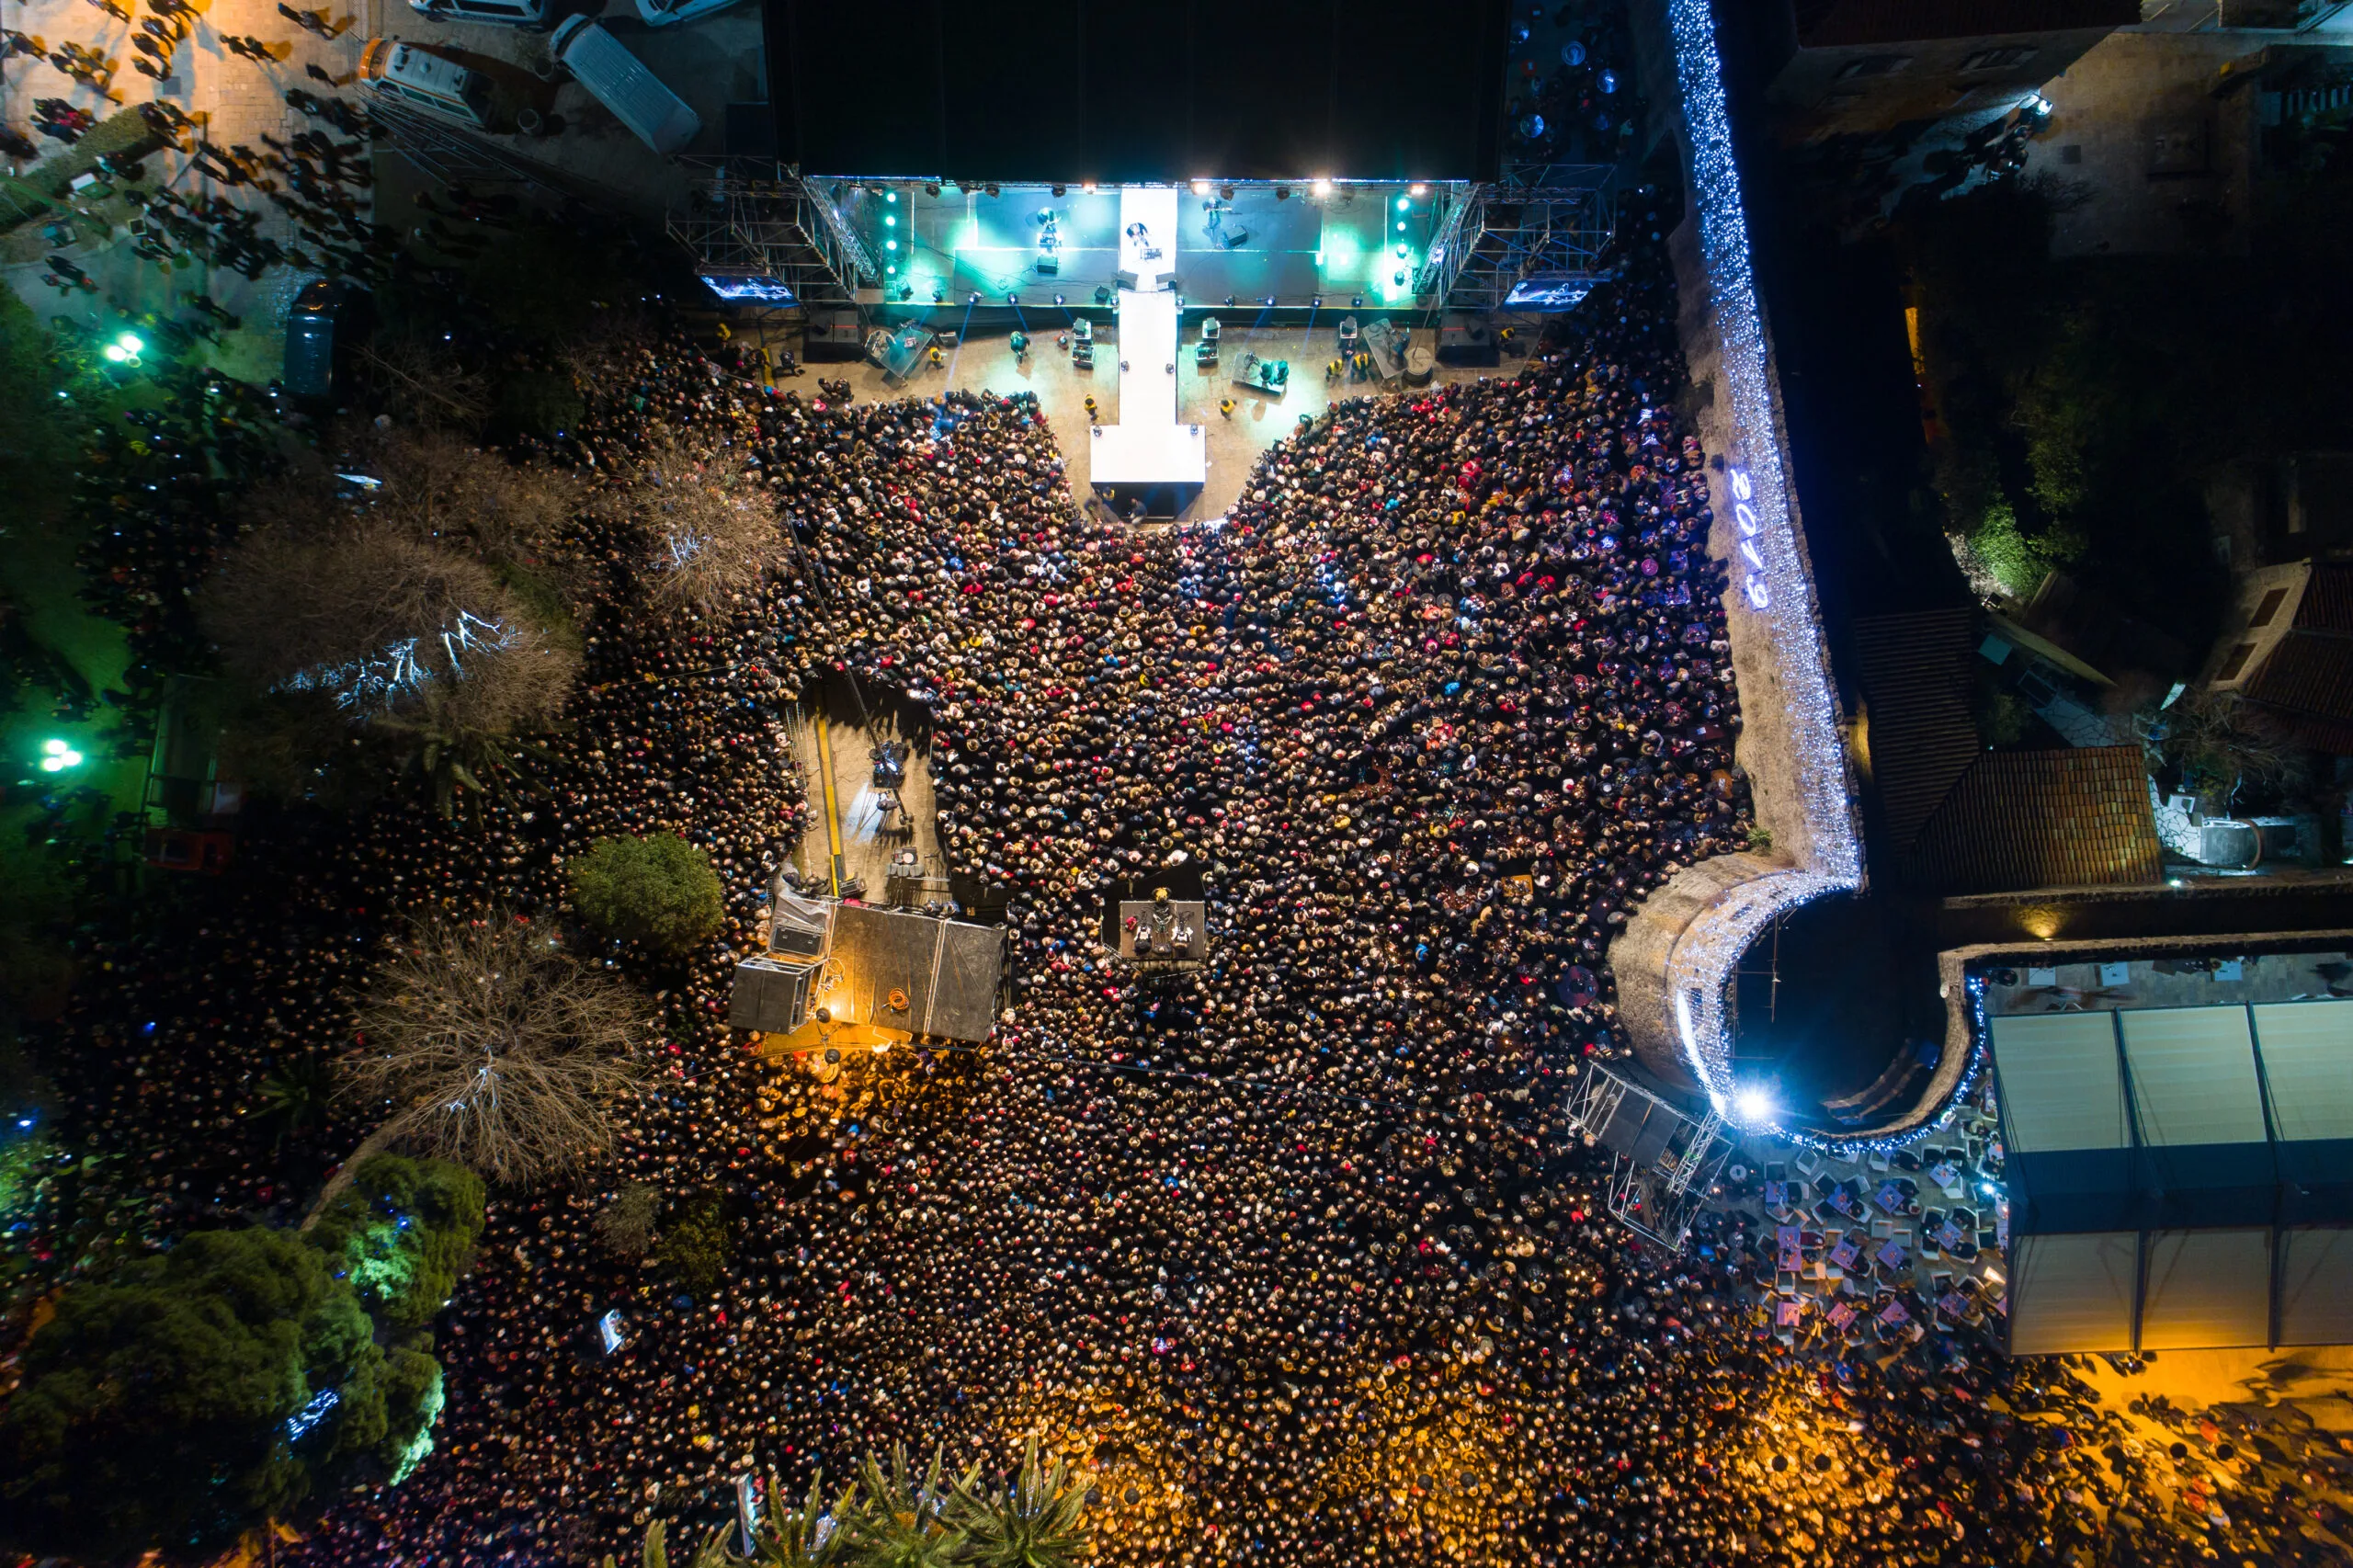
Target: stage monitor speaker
[1464,339]
[1234,238]
[831,336]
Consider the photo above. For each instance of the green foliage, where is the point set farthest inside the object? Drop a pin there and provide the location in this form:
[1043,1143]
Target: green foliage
[401,1232]
[697,1245]
[1761,840]
[296,1094]
[658,889]
[626,1227]
[155,1405]
[894,1519]
[413,1396]
[2018,562]
[1038,1522]
[906,1522]
[539,402]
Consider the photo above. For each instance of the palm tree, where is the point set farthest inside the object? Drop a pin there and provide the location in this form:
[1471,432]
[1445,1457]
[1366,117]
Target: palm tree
[905,1525]
[810,1536]
[1038,1522]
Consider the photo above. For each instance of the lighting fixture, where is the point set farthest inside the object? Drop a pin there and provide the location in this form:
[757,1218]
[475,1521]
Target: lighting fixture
[57,757]
[1200,187]
[1418,188]
[1404,204]
[1058,299]
[1323,188]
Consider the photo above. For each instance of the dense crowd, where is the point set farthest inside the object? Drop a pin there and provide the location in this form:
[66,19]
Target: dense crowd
[1293,1251]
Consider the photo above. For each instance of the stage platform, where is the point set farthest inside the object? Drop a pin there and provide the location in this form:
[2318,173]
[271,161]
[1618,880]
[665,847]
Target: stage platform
[1252,247]
[1150,464]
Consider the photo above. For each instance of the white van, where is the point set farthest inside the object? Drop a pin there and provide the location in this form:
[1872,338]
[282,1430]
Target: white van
[418,76]
[620,81]
[531,14]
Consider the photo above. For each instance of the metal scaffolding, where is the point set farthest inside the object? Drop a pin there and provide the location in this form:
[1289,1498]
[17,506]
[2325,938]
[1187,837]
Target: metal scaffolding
[1549,224]
[455,156]
[761,218]
[1665,1162]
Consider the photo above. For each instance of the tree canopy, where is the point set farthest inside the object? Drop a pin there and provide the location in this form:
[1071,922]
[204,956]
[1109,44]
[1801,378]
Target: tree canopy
[659,890]
[186,1395]
[401,1233]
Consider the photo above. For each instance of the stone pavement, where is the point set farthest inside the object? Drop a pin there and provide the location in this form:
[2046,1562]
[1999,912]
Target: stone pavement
[236,100]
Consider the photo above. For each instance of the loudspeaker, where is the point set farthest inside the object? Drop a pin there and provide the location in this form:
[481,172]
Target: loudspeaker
[1464,339]
[831,336]
[1234,238]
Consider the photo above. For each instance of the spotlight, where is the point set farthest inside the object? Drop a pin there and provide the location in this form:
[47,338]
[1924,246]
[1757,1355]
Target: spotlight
[1282,193]
[976,298]
[57,757]
[1419,189]
[1323,188]
[1200,187]
[991,189]
[931,188]
[1753,1105]
[1229,302]
[892,196]
[1225,193]
[131,343]
[938,295]
[1404,204]
[1398,278]
[1356,301]
[891,220]
[1316,303]
[113,351]
[1087,187]
[889,245]
[1013,299]
[892,268]
[1268,300]
[1403,252]
[1058,299]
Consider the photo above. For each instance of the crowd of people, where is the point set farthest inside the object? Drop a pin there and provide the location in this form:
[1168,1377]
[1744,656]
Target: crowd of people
[1292,1254]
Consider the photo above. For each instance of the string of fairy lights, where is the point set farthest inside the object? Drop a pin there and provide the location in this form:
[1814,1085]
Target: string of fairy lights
[1775,585]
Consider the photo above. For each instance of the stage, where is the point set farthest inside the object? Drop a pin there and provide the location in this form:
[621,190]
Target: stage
[1150,464]
[1252,245]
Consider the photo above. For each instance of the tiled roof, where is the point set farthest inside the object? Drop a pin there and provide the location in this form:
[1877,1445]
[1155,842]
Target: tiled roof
[1831,23]
[2327,603]
[1915,671]
[2032,819]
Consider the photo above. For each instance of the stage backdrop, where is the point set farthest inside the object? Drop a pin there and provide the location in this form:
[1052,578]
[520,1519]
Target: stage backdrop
[1115,91]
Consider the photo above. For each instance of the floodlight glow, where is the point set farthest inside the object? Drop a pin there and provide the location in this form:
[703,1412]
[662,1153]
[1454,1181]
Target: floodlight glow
[1200,187]
[116,352]
[1754,1106]
[1404,204]
[1323,188]
[131,343]
[1418,188]
[890,220]
[890,196]
[889,245]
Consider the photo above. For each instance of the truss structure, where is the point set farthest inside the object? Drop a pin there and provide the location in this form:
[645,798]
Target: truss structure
[1540,222]
[1664,1161]
[454,156]
[760,217]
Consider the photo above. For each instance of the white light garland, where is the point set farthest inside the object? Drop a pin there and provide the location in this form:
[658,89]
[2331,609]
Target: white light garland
[1775,584]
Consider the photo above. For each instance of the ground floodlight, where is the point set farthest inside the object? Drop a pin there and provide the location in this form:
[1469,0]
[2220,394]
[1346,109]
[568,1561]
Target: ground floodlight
[1323,188]
[1753,1105]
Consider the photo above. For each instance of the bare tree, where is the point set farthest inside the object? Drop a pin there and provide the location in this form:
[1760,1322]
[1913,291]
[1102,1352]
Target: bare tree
[422,381]
[710,522]
[495,1049]
[439,485]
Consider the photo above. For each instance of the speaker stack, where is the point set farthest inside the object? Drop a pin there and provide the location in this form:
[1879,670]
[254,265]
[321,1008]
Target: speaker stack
[831,336]
[1466,339]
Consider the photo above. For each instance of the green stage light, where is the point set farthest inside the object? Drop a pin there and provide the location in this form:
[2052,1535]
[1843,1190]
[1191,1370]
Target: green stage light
[889,245]
[116,353]
[131,342]
[57,757]
[889,221]
[1404,204]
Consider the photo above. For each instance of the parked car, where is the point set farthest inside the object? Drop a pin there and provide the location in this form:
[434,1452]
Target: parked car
[530,14]
[620,81]
[667,13]
[411,74]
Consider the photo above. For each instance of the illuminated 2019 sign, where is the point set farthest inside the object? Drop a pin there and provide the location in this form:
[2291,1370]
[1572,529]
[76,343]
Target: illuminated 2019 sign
[1743,515]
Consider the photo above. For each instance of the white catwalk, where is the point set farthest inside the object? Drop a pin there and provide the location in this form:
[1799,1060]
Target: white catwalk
[1148,457]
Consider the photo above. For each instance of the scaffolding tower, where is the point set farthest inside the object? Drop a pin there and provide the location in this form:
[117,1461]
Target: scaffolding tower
[759,218]
[1541,225]
[1664,1162]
